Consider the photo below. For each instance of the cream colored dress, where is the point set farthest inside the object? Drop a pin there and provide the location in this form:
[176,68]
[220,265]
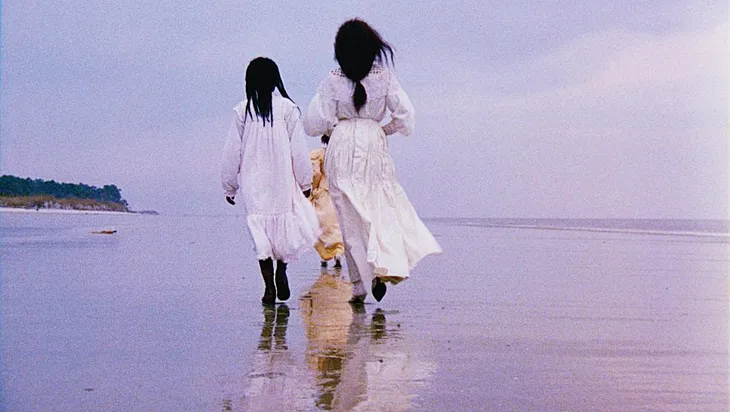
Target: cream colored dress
[383,234]
[329,245]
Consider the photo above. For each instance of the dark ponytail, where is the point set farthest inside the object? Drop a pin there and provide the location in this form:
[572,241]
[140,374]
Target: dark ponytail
[359,97]
[357,47]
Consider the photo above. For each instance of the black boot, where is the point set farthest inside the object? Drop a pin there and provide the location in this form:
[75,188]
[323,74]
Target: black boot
[378,289]
[267,271]
[282,283]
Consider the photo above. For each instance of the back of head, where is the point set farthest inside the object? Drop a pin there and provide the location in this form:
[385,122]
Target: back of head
[357,47]
[262,77]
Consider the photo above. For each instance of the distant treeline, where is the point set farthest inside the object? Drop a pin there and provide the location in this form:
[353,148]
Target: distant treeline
[16,186]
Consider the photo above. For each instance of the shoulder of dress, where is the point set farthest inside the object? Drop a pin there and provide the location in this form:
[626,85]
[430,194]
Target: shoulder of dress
[337,73]
[287,103]
[335,85]
[377,81]
[340,87]
[240,109]
[379,70]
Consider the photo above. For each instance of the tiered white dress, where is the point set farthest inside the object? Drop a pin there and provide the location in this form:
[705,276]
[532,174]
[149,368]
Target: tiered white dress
[272,163]
[383,235]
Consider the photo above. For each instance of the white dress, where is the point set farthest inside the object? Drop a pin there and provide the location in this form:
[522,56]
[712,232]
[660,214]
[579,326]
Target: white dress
[273,166]
[383,235]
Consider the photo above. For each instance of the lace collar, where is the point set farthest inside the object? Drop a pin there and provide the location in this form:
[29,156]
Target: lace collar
[376,69]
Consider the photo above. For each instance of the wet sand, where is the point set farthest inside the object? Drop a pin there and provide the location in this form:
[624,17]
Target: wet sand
[165,315]
[52,210]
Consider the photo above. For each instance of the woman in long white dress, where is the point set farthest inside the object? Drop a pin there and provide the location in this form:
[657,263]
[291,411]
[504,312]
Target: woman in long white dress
[272,163]
[384,237]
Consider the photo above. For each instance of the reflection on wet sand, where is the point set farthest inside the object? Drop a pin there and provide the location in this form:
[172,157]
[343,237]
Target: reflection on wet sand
[359,362]
[327,319]
[353,360]
[276,381]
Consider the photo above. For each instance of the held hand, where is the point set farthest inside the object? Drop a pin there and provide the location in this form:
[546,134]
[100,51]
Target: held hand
[229,199]
[307,193]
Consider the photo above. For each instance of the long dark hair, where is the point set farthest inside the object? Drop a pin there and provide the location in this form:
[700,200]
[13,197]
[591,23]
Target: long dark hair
[262,77]
[357,46]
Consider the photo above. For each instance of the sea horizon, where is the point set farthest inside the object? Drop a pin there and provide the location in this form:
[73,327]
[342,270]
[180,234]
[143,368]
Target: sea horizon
[687,226]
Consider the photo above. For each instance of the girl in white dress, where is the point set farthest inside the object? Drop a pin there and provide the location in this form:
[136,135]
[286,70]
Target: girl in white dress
[384,238]
[272,163]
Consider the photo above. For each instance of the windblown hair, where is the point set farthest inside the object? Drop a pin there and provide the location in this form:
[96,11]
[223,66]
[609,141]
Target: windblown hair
[357,47]
[262,77]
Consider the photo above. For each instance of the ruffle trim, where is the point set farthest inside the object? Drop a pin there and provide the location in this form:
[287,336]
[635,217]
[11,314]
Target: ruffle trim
[418,242]
[327,252]
[384,276]
[285,236]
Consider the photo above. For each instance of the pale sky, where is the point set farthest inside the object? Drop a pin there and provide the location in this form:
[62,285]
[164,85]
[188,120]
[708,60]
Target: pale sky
[593,109]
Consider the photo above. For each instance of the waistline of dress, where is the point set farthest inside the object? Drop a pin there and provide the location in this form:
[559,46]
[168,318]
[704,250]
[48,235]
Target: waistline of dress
[358,121]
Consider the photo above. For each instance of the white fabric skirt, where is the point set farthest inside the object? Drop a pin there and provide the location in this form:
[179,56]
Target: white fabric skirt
[285,236]
[381,230]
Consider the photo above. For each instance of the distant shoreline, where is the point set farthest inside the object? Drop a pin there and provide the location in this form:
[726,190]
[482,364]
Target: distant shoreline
[65,211]
[37,202]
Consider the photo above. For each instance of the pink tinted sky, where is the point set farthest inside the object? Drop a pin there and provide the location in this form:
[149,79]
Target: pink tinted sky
[567,109]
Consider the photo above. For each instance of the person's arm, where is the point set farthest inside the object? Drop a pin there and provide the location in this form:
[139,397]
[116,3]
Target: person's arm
[401,110]
[321,115]
[231,164]
[301,165]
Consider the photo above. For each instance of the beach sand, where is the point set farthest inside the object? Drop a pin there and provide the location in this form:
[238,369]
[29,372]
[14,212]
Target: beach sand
[64,211]
[165,315]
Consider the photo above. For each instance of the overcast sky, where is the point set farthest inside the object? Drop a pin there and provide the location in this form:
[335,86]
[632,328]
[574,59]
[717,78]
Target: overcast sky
[565,108]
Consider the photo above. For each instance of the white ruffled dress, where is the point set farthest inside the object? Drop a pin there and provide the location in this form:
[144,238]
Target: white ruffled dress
[269,164]
[383,234]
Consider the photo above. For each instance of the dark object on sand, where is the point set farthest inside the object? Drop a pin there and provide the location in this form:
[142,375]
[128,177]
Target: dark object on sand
[104,232]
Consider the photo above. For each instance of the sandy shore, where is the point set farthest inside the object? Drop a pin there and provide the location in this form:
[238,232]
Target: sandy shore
[166,316]
[66,211]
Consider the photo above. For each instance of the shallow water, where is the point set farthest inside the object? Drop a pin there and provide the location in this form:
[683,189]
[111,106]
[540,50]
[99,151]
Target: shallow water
[165,315]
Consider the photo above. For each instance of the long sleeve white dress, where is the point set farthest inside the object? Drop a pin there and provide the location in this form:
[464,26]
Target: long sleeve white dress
[383,235]
[270,166]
